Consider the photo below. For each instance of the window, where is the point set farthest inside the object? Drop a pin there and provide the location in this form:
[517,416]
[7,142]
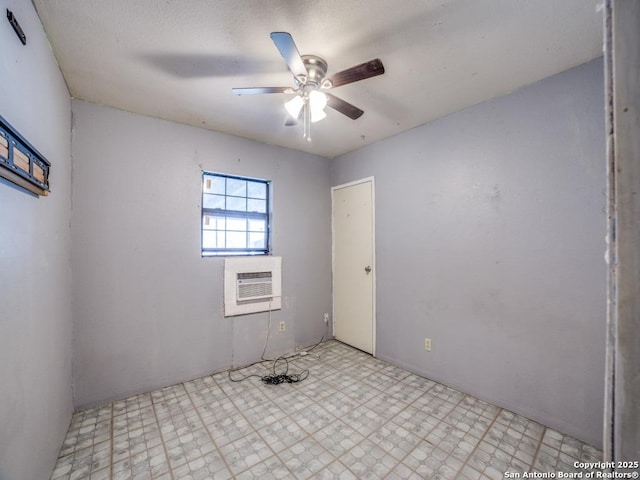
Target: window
[235,215]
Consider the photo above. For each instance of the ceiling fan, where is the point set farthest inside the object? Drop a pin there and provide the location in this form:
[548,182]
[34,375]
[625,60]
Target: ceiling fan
[311,84]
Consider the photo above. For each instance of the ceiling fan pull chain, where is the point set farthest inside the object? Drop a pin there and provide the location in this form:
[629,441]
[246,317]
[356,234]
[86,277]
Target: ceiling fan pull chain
[307,119]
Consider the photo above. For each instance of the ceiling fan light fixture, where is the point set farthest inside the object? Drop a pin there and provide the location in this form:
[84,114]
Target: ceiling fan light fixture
[317,104]
[317,116]
[294,106]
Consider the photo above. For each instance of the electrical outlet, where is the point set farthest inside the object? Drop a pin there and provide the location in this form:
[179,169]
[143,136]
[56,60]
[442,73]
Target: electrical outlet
[326,318]
[282,327]
[427,344]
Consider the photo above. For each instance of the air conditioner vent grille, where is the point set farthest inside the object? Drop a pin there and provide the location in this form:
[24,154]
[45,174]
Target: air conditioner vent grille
[254,286]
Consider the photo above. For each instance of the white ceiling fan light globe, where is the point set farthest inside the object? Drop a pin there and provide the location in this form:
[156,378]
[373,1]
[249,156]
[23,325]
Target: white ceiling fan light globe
[317,116]
[294,106]
[317,103]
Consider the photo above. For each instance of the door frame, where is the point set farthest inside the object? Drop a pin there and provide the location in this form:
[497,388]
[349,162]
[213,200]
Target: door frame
[621,440]
[373,255]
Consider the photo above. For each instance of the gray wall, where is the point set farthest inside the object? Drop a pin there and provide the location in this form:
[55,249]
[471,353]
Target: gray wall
[147,307]
[35,276]
[490,236]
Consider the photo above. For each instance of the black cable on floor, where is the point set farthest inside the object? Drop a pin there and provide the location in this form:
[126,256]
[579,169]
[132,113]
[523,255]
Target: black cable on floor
[277,378]
[284,377]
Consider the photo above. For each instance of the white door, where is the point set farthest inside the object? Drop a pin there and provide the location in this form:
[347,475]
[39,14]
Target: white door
[353,264]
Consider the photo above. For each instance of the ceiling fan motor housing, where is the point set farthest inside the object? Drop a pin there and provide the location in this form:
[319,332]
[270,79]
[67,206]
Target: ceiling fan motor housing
[316,70]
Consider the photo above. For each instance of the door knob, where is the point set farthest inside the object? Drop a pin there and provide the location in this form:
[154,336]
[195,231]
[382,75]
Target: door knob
[367,269]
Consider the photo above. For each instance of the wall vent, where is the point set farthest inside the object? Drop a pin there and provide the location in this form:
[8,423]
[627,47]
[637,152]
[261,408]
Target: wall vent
[252,284]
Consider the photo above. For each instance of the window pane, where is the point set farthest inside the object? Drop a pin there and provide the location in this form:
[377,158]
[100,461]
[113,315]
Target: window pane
[236,188]
[239,204]
[213,185]
[257,190]
[220,223]
[218,185]
[207,184]
[257,225]
[239,224]
[257,240]
[236,240]
[209,239]
[213,201]
[213,222]
[256,206]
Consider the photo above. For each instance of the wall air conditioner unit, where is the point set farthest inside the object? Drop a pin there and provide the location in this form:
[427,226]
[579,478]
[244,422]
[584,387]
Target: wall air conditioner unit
[252,284]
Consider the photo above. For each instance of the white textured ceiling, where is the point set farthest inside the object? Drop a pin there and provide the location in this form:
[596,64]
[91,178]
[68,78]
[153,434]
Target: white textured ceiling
[179,59]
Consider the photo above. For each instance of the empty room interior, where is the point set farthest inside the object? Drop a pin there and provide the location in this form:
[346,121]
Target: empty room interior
[399,210]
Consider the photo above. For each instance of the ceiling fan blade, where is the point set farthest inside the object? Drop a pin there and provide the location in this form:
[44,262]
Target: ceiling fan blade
[255,90]
[287,48]
[368,69]
[343,107]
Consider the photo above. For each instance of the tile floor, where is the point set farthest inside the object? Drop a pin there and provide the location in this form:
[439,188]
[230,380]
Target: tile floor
[354,417]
